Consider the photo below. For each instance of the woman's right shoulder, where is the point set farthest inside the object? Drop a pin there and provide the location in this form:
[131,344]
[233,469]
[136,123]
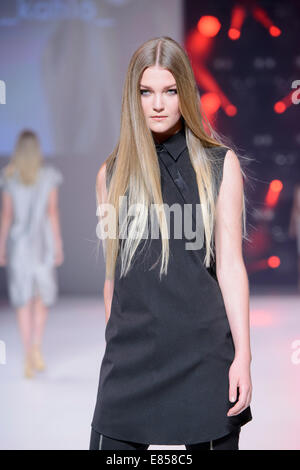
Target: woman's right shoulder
[102,183]
[101,176]
[102,171]
[105,173]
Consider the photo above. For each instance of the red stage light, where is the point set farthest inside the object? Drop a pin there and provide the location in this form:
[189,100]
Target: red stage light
[231,110]
[234,33]
[276,186]
[273,261]
[279,107]
[210,102]
[209,26]
[274,31]
[273,193]
[237,19]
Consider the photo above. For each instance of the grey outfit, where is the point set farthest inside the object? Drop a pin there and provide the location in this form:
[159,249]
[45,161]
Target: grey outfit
[30,244]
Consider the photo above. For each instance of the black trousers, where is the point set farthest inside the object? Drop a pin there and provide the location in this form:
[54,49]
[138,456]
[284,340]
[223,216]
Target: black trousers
[102,442]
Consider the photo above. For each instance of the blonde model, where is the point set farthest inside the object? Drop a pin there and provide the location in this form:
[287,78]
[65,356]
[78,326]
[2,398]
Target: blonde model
[176,368]
[30,241]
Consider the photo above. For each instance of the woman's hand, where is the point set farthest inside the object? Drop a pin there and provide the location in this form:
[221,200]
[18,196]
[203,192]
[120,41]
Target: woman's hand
[239,376]
[59,256]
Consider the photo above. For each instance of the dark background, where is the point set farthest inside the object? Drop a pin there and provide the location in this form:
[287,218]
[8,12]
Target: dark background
[259,70]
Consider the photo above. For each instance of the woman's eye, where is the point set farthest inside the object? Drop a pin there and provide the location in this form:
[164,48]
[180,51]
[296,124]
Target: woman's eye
[147,91]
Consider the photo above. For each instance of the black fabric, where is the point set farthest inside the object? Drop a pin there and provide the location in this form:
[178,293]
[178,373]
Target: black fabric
[100,442]
[164,375]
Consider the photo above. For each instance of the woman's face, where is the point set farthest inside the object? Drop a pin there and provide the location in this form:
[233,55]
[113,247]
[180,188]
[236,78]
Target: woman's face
[159,98]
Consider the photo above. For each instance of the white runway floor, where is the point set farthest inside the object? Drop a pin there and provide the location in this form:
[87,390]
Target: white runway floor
[54,410]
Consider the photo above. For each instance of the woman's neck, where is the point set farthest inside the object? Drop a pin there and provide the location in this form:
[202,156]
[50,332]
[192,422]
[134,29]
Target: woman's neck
[160,137]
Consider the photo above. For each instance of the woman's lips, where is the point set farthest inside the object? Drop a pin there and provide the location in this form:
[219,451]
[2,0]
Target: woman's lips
[158,118]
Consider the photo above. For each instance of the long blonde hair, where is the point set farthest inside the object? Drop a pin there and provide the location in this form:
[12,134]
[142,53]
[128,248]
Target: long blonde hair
[26,159]
[133,166]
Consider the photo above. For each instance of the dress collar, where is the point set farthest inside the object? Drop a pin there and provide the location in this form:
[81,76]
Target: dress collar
[174,145]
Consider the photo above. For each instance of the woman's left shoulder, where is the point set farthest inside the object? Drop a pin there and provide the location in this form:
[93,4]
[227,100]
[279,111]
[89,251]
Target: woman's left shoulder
[232,174]
[231,160]
[226,154]
[219,149]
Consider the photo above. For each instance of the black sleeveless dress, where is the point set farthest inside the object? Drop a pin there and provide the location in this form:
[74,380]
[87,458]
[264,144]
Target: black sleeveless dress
[164,374]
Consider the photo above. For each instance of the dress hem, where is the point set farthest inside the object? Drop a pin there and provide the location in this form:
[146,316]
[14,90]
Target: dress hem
[223,432]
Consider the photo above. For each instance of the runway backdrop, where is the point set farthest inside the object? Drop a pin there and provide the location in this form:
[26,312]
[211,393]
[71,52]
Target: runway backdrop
[64,65]
[247,63]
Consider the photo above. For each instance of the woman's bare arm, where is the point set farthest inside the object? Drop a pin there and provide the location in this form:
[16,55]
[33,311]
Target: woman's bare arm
[53,214]
[5,223]
[232,276]
[108,288]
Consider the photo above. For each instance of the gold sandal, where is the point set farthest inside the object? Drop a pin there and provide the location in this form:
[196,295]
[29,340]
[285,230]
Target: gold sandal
[37,358]
[28,366]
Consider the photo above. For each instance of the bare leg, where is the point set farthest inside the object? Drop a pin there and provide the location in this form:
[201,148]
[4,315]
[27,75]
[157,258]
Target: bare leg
[40,313]
[24,316]
[39,321]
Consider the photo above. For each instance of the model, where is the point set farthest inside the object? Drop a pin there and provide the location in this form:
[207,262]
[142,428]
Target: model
[176,368]
[30,242]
